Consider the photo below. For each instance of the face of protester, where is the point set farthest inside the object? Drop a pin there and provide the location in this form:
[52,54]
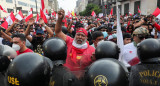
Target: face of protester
[21,31]
[98,39]
[137,39]
[127,40]
[17,41]
[80,38]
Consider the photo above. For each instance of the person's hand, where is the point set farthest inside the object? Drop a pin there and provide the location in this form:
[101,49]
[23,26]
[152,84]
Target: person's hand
[16,21]
[31,22]
[61,14]
[41,22]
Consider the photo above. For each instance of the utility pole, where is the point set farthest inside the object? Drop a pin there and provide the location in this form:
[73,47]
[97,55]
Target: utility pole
[15,6]
[36,6]
[0,13]
[103,8]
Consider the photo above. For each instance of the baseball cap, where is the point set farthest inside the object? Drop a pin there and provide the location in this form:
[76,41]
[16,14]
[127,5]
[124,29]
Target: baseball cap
[39,31]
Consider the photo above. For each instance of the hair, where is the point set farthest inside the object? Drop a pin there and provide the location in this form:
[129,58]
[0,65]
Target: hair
[96,34]
[22,28]
[126,35]
[21,36]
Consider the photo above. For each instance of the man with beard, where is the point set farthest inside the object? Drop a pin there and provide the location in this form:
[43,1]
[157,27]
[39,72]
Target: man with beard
[79,52]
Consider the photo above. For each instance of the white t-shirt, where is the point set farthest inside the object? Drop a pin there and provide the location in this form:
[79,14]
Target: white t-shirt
[129,55]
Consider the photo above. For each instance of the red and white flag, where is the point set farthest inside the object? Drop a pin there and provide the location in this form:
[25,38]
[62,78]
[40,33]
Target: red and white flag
[47,11]
[37,18]
[3,9]
[139,11]
[30,15]
[19,16]
[130,13]
[93,14]
[111,13]
[10,19]
[43,12]
[156,13]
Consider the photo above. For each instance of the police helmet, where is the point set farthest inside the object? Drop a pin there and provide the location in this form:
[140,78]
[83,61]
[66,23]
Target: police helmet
[29,69]
[149,50]
[107,72]
[55,49]
[64,30]
[107,49]
[5,52]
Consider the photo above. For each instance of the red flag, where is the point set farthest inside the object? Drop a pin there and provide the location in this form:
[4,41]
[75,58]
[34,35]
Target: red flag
[3,9]
[156,13]
[139,11]
[10,19]
[93,14]
[19,16]
[43,16]
[130,13]
[111,13]
[42,5]
[47,11]
[37,18]
[30,15]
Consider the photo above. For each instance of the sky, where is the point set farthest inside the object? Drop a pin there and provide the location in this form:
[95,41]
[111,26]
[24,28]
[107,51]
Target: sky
[67,4]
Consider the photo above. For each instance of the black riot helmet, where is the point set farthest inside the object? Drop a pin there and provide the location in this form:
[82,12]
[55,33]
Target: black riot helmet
[149,50]
[107,49]
[55,49]
[5,52]
[64,30]
[107,72]
[29,69]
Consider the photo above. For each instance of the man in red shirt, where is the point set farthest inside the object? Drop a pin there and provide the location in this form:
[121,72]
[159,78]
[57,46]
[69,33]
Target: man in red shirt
[19,41]
[79,52]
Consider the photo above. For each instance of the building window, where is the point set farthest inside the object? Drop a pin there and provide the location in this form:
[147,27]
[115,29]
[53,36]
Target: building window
[114,10]
[120,8]
[10,10]
[10,1]
[126,9]
[158,3]
[22,3]
[32,6]
[32,0]
[136,5]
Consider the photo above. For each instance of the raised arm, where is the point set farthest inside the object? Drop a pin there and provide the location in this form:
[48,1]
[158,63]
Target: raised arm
[48,29]
[58,27]
[9,28]
[30,23]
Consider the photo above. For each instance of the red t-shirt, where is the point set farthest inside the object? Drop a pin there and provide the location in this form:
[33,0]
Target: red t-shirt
[82,60]
[26,51]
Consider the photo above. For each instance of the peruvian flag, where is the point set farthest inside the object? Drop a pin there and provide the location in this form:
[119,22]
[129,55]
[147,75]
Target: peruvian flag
[156,13]
[30,15]
[3,9]
[10,19]
[37,18]
[19,16]
[130,13]
[43,12]
[139,11]
[47,11]
[111,13]
[93,14]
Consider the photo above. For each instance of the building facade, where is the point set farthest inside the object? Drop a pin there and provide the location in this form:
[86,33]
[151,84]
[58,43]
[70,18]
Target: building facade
[23,5]
[81,5]
[53,5]
[147,7]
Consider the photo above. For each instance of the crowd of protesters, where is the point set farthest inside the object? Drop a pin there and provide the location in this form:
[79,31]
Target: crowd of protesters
[82,35]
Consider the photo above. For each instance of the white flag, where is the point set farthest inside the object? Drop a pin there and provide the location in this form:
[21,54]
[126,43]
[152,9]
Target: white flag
[119,35]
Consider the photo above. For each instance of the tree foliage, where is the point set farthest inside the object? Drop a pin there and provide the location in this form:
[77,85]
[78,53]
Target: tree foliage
[89,9]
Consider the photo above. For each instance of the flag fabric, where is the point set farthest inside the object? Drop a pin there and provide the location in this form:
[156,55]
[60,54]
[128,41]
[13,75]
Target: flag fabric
[19,16]
[156,13]
[37,18]
[111,13]
[3,9]
[30,15]
[73,14]
[139,11]
[47,11]
[119,35]
[43,12]
[10,19]
[93,14]
[130,13]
